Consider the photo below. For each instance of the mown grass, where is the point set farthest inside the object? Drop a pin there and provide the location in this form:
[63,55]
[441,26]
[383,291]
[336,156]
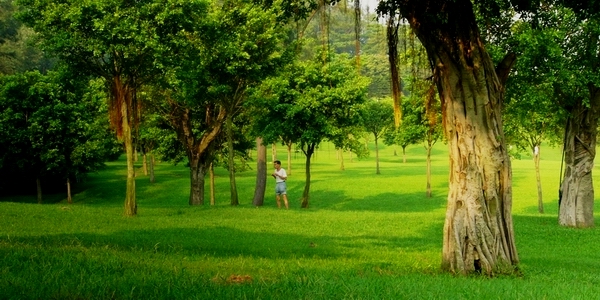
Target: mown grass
[365,236]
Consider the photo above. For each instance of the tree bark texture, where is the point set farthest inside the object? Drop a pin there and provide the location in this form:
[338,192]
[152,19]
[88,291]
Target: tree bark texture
[261,173]
[478,230]
[577,191]
[197,175]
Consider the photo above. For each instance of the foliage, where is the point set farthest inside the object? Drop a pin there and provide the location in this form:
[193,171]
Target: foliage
[52,127]
[310,99]
[17,50]
[413,127]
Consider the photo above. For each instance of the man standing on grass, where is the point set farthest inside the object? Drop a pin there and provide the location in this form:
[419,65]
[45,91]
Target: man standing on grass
[280,188]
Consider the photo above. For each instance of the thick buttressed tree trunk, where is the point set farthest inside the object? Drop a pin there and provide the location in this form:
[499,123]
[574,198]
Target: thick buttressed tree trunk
[478,230]
[310,149]
[577,191]
[261,173]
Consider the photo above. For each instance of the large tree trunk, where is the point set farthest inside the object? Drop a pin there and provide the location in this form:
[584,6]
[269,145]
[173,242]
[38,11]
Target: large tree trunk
[577,191]
[261,173]
[536,162]
[231,162]
[478,230]
[305,195]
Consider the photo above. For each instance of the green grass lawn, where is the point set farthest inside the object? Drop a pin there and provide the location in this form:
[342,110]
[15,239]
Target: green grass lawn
[365,236]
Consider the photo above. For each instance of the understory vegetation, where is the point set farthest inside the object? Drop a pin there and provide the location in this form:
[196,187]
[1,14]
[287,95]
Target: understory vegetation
[365,236]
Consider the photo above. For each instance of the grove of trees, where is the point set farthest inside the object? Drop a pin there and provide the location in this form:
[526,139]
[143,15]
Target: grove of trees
[196,81]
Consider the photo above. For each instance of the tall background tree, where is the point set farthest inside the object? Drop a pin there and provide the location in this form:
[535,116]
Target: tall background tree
[377,117]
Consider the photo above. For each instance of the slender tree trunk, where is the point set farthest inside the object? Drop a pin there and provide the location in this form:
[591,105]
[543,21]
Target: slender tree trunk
[289,158]
[38,184]
[261,173]
[273,152]
[577,190]
[392,43]
[305,195]
[357,29]
[145,163]
[197,174]
[403,154]
[478,230]
[536,162]
[130,201]
[69,197]
[377,153]
[429,170]
[151,162]
[213,199]
[340,152]
[231,161]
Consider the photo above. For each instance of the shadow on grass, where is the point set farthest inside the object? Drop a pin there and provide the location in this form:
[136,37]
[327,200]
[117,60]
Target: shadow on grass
[546,247]
[223,242]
